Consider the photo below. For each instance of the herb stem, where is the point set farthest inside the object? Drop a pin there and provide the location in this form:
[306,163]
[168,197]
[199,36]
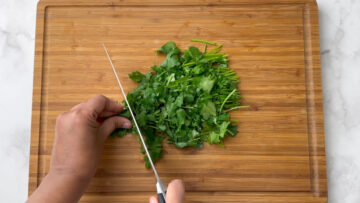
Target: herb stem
[155,58]
[204,49]
[188,64]
[203,41]
[237,107]
[227,130]
[214,50]
[231,93]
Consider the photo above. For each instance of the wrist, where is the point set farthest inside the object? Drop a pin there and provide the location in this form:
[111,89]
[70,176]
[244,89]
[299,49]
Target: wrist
[69,177]
[71,174]
[59,187]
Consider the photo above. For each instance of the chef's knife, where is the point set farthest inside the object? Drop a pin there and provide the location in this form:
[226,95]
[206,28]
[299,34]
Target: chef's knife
[160,187]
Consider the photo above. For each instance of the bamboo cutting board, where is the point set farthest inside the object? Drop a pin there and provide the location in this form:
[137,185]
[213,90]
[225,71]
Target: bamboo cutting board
[278,154]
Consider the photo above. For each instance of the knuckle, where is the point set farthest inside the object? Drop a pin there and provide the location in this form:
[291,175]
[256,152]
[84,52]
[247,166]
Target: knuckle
[79,105]
[82,112]
[78,116]
[100,97]
[60,117]
[61,120]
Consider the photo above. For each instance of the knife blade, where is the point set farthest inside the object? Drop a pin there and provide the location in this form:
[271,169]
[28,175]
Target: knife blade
[160,187]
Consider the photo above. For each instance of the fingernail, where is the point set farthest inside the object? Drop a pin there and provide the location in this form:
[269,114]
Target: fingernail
[153,200]
[127,125]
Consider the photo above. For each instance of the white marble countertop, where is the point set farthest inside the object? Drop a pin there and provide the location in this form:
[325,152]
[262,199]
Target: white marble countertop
[340,55]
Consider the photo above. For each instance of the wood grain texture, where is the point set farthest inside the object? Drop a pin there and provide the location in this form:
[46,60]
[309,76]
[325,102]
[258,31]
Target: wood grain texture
[278,155]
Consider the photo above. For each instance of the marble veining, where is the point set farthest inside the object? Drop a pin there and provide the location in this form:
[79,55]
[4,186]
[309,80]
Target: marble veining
[340,54]
[17,38]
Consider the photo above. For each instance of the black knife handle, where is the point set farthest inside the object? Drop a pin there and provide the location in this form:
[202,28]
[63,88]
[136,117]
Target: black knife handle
[161,198]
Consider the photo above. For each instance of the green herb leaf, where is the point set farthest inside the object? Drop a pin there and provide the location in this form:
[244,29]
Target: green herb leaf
[187,99]
[169,48]
[208,110]
[136,76]
[206,84]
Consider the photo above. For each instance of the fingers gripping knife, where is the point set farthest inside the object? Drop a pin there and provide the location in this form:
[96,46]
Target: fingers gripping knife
[160,187]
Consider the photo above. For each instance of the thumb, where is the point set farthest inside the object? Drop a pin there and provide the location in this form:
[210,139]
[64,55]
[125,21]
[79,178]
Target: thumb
[175,192]
[110,124]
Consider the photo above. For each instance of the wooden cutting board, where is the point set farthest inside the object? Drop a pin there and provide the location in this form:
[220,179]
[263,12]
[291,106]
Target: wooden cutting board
[278,154]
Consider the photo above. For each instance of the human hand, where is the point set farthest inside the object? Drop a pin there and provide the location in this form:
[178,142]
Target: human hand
[79,138]
[175,193]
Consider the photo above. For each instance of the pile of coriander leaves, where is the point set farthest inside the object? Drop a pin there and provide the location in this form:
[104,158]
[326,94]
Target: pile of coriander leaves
[187,99]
